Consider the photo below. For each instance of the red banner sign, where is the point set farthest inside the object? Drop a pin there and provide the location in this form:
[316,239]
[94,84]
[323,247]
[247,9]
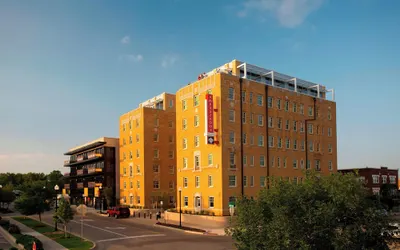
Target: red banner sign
[210,113]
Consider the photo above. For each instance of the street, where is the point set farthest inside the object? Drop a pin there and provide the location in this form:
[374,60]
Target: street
[134,233]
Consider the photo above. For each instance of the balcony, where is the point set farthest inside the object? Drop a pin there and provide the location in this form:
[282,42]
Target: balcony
[79,185]
[67,186]
[82,159]
[91,184]
[79,172]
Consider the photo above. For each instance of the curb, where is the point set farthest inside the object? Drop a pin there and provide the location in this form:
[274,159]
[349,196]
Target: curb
[76,235]
[10,238]
[181,230]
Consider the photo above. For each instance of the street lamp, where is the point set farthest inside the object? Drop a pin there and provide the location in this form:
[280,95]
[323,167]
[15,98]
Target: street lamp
[56,188]
[180,207]
[101,199]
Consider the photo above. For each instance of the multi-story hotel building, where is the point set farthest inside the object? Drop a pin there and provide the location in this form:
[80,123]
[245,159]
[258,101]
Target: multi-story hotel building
[374,178]
[93,166]
[240,124]
[147,154]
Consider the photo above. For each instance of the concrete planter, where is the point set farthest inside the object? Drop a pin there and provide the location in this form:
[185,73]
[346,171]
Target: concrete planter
[11,238]
[200,220]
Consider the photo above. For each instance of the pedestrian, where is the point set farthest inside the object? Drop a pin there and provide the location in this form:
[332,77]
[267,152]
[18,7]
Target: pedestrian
[158,215]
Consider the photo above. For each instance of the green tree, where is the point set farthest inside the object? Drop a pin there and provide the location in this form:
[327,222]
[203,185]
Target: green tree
[30,205]
[6,196]
[328,212]
[64,214]
[109,195]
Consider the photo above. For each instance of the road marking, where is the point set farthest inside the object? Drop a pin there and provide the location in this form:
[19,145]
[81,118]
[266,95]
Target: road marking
[116,228]
[99,228]
[86,220]
[133,237]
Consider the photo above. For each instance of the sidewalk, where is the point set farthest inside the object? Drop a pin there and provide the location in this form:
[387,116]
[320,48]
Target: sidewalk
[47,243]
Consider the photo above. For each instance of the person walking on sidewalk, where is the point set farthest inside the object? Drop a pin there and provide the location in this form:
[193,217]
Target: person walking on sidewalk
[158,215]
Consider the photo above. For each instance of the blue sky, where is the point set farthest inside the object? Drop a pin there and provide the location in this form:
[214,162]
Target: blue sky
[69,69]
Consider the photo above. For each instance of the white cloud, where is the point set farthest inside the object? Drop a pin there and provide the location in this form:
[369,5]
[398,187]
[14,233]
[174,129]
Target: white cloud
[290,13]
[126,40]
[132,58]
[169,61]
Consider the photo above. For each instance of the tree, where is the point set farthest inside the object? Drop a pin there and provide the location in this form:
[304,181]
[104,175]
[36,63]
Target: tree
[30,205]
[388,193]
[328,212]
[64,214]
[6,195]
[109,195]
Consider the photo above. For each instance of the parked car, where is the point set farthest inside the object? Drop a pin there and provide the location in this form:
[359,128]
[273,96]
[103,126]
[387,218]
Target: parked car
[119,212]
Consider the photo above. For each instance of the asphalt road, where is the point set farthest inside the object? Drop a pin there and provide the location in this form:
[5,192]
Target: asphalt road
[120,234]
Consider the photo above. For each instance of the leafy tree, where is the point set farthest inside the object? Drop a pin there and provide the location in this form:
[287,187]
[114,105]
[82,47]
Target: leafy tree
[30,205]
[6,195]
[388,193]
[109,195]
[64,214]
[328,212]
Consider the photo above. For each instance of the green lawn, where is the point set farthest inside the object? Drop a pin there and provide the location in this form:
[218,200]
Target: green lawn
[73,242]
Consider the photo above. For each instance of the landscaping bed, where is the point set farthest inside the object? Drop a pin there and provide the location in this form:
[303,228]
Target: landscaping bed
[71,242]
[182,228]
[25,240]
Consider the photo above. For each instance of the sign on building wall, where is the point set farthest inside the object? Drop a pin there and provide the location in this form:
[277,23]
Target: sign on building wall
[209,113]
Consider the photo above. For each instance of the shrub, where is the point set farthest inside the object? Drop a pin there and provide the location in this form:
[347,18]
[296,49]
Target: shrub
[14,229]
[27,241]
[13,248]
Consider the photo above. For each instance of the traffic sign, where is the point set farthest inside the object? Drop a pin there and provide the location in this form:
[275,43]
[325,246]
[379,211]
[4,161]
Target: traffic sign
[210,139]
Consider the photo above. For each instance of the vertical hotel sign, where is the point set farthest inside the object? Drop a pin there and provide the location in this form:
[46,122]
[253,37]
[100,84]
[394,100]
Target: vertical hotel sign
[209,108]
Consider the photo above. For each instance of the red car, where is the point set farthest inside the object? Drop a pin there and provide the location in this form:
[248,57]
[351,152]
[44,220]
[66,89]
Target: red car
[119,212]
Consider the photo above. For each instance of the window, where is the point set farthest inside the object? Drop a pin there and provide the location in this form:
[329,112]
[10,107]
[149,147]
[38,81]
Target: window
[259,100]
[185,162]
[124,171]
[185,182]
[131,200]
[252,140]
[244,138]
[231,94]
[156,184]
[197,181]
[308,164]
[270,102]
[232,181]
[231,115]
[243,96]
[287,143]
[329,115]
[294,163]
[210,159]
[329,131]
[278,103]
[270,122]
[137,184]
[138,169]
[130,155]
[210,181]
[156,168]
[137,137]
[243,117]
[184,143]
[262,161]
[130,171]
[245,181]
[210,202]
[279,142]
[375,179]
[279,123]
[196,141]
[232,159]
[270,141]
[262,181]
[171,139]
[123,127]
[244,160]
[196,121]
[232,137]
[186,201]
[171,103]
[294,107]
[252,160]
[251,97]
[310,129]
[197,162]
[317,132]
[171,169]
[294,144]
[302,109]
[311,146]
[301,127]
[156,153]
[138,199]
[272,161]
[196,100]
[329,148]
[260,120]
[310,111]
[287,125]
[284,162]
[318,165]
[251,181]
[392,179]
[155,137]
[278,162]
[294,125]
[171,154]
[137,153]
[261,140]
[301,164]
[302,145]
[171,185]
[130,139]
[184,105]
[318,146]
[184,124]
[330,165]
[286,106]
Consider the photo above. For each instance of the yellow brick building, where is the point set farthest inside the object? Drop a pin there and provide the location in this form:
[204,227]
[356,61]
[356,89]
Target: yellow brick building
[254,124]
[147,154]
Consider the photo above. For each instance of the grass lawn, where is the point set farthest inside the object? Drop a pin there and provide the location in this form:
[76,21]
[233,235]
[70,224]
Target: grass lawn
[73,242]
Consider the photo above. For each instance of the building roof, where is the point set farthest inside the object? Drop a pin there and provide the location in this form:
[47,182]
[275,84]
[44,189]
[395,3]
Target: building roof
[93,144]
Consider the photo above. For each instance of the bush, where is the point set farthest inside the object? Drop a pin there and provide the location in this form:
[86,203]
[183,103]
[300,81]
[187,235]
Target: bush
[13,248]
[14,229]
[27,241]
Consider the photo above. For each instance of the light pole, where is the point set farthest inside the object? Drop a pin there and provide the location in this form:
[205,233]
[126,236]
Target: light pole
[180,207]
[101,199]
[56,188]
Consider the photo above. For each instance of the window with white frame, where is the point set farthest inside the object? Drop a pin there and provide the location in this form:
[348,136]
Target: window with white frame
[261,140]
[294,125]
[259,100]
[302,145]
[185,163]
[185,182]
[137,184]
[262,161]
[184,143]
[130,171]
[330,168]
[270,102]
[311,146]
[284,162]
[262,181]
[302,164]
[197,162]
[287,143]
[244,117]
[243,96]
[308,164]
[232,159]
[196,141]
[310,111]
[279,142]
[310,129]
[138,169]
[210,181]
[251,97]
[260,120]
[294,144]
[301,127]
[384,179]
[197,181]
[329,115]
[137,153]
[231,115]
[375,179]
[124,185]
[278,162]
[245,181]
[231,136]
[210,202]
[286,105]
[272,161]
[232,181]
[156,153]
[184,105]
[244,138]
[270,141]
[156,168]
[329,131]
[295,164]
[185,201]
[156,184]
[270,122]
[278,104]
[251,118]
[171,103]
[184,124]
[279,123]
[317,165]
[329,148]
[287,125]
[244,160]
[196,121]
[210,159]
[196,100]
[231,94]
[130,155]
[138,199]
[252,140]
[392,179]
[294,107]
